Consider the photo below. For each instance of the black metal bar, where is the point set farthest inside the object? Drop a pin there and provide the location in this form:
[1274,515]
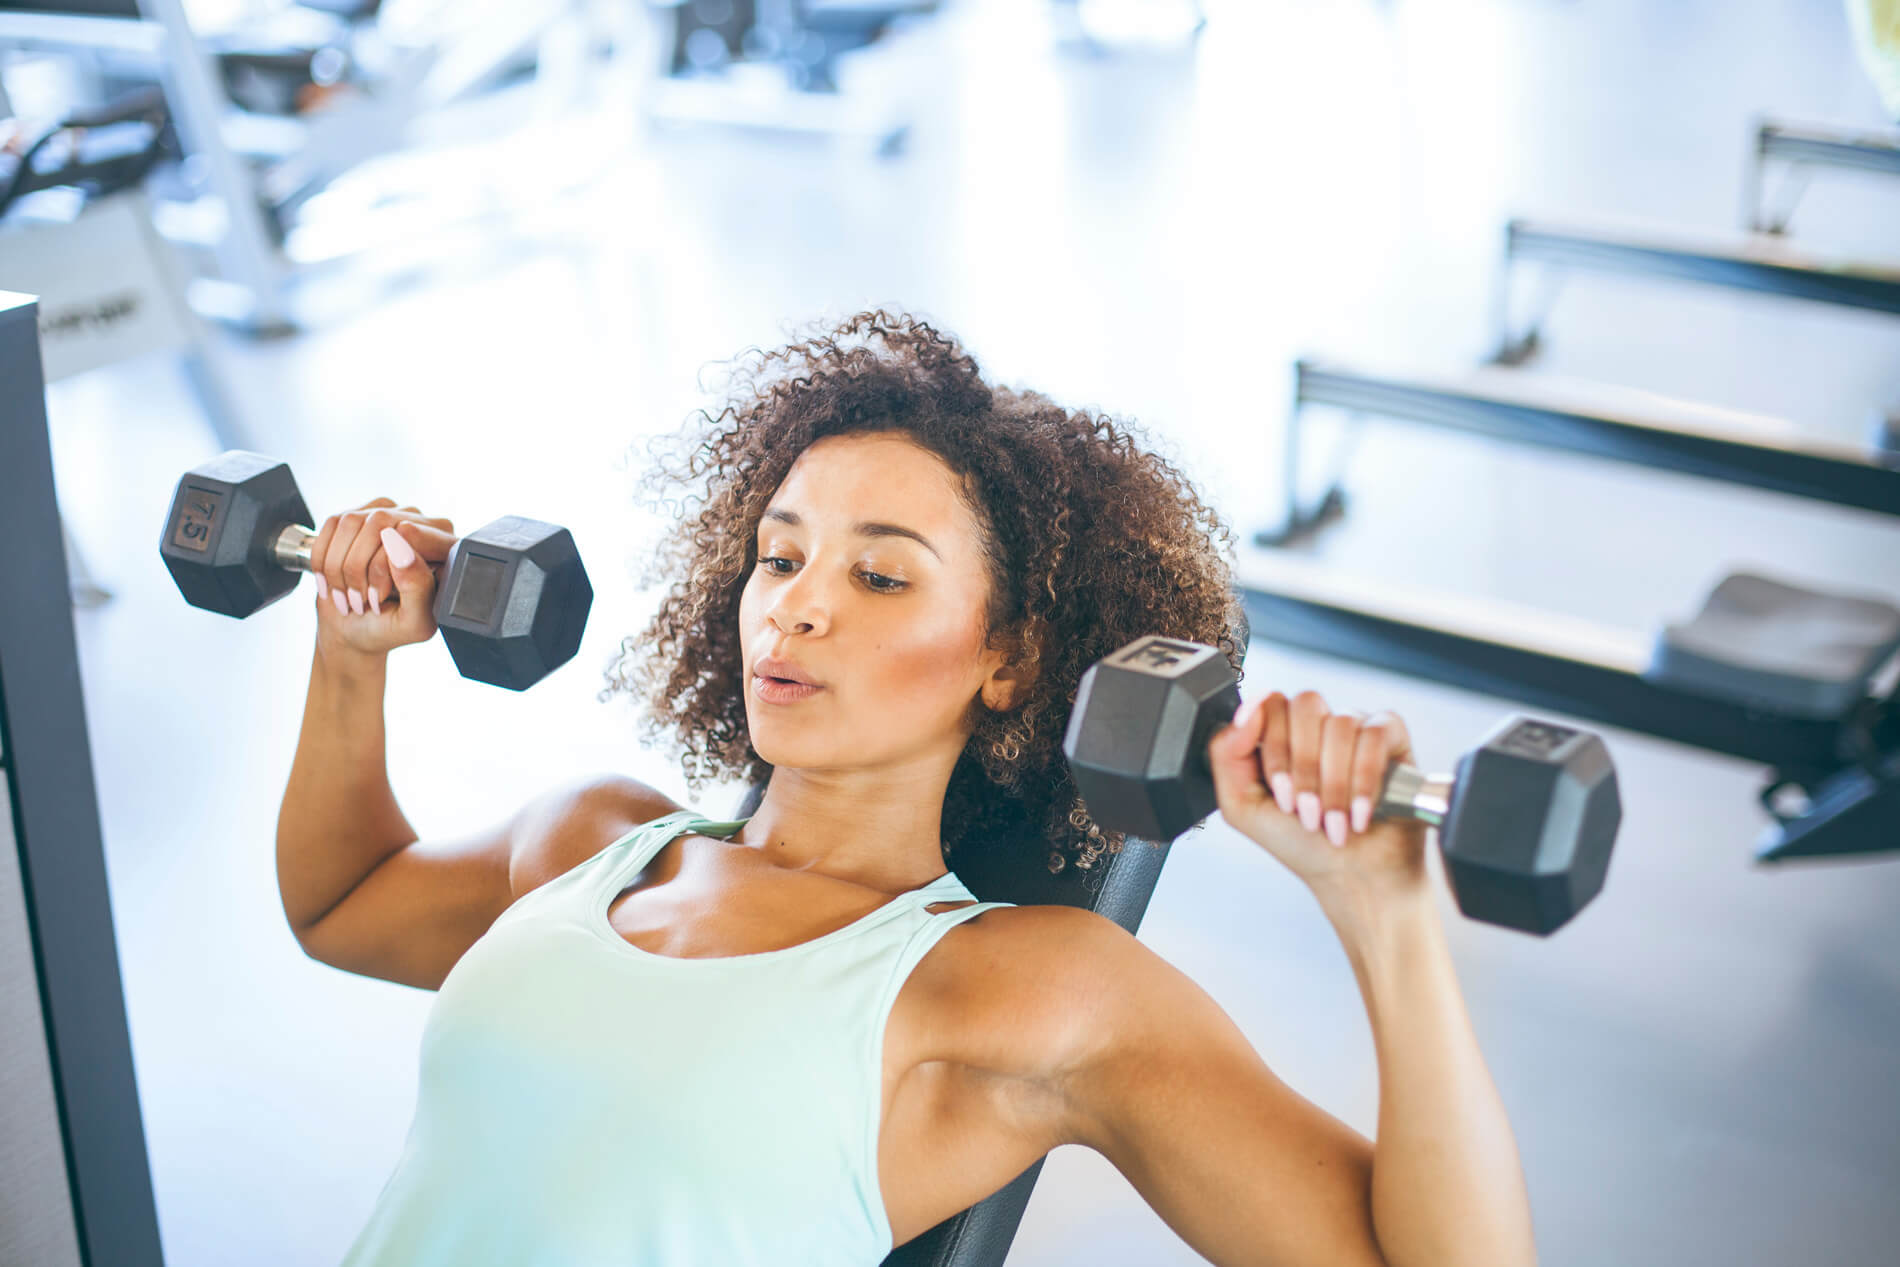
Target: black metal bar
[53,815]
[1758,262]
[1647,431]
[1828,147]
[1511,664]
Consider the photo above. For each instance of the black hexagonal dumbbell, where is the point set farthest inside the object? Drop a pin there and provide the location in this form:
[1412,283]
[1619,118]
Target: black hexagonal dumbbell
[1525,824]
[512,601]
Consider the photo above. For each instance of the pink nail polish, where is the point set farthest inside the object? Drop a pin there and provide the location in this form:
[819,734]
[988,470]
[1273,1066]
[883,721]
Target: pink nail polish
[342,604]
[323,586]
[356,602]
[1361,813]
[1283,791]
[1336,827]
[1309,811]
[375,601]
[399,551]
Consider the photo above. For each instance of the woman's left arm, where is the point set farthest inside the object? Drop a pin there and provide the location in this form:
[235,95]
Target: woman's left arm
[1151,1073]
[1300,780]
[1447,1184]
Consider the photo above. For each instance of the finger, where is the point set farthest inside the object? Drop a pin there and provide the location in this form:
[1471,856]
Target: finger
[318,548]
[409,569]
[1306,719]
[1371,760]
[367,546]
[1276,760]
[1232,761]
[1339,738]
[349,526]
[378,579]
[1399,739]
[428,537]
[381,581]
[377,503]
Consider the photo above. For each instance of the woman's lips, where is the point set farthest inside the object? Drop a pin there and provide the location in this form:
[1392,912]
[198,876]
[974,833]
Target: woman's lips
[774,690]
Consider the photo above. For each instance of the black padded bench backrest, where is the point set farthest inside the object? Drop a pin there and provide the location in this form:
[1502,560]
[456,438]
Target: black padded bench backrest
[1117,886]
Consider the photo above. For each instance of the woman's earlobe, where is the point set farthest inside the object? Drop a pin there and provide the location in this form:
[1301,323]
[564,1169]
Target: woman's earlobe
[1001,695]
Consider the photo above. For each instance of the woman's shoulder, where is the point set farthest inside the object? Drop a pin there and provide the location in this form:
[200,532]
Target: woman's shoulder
[592,815]
[1023,984]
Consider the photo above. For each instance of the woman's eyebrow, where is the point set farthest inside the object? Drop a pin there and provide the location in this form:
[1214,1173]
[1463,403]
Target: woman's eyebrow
[862,529]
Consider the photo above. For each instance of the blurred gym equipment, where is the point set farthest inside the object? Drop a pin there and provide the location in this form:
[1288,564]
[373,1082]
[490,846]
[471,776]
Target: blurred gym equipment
[1776,670]
[273,114]
[1103,28]
[1803,149]
[75,1185]
[76,229]
[1762,262]
[784,66]
[1618,424]
[1769,671]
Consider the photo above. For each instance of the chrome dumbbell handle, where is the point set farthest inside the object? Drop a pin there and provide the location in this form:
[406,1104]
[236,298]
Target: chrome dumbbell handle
[290,548]
[1411,793]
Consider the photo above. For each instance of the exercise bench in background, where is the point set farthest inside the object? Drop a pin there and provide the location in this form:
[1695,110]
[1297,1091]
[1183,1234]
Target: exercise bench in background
[1801,149]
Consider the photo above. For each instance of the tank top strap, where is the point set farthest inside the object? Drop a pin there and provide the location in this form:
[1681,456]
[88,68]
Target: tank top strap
[948,887]
[624,858]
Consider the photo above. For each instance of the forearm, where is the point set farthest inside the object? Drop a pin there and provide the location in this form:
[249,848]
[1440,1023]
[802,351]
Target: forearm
[1447,1183]
[339,819]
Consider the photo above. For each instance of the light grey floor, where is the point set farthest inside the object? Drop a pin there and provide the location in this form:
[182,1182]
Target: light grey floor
[1700,1070]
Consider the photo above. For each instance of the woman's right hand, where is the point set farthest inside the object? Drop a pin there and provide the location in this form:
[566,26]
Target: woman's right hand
[370,597]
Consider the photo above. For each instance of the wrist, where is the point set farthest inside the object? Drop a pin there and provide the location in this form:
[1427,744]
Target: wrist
[1370,915]
[349,664]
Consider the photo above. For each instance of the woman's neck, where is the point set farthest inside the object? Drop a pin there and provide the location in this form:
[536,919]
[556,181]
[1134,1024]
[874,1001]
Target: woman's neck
[878,828]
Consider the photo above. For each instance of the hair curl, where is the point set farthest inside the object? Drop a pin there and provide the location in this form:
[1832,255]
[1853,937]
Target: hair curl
[1092,541]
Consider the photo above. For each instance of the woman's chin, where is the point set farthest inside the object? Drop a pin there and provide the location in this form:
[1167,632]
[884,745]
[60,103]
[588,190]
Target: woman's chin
[785,752]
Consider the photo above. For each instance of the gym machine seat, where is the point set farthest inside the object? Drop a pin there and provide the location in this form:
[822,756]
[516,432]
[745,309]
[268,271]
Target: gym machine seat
[1800,652]
[1773,672]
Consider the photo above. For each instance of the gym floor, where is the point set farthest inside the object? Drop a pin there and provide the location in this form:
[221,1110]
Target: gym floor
[1699,1070]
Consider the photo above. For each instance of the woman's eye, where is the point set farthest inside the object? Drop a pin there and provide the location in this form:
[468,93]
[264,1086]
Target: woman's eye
[876,580]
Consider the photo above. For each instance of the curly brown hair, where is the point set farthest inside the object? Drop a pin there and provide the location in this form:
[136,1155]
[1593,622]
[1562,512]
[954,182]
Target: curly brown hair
[1091,540]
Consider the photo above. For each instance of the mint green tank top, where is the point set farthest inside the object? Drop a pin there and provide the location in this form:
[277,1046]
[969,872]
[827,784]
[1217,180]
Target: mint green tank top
[585,1103]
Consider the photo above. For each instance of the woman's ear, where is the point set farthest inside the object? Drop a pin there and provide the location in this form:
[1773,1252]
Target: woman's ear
[1005,688]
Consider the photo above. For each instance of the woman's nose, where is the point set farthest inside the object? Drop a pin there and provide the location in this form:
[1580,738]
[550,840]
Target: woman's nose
[801,606]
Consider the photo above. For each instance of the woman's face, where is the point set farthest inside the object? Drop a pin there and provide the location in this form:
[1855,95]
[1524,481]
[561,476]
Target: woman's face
[871,585]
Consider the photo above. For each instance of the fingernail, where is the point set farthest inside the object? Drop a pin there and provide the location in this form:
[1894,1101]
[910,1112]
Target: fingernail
[375,601]
[1336,827]
[1309,811]
[399,551]
[342,604]
[356,602]
[323,586]
[1361,813]
[1283,791]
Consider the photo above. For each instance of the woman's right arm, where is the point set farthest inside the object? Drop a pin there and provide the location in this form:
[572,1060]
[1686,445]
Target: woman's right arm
[360,891]
[364,895]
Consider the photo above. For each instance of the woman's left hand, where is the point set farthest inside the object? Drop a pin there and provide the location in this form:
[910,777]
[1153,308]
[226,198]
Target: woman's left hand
[1298,779]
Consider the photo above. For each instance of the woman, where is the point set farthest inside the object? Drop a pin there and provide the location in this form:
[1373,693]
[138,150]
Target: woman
[796,1037]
